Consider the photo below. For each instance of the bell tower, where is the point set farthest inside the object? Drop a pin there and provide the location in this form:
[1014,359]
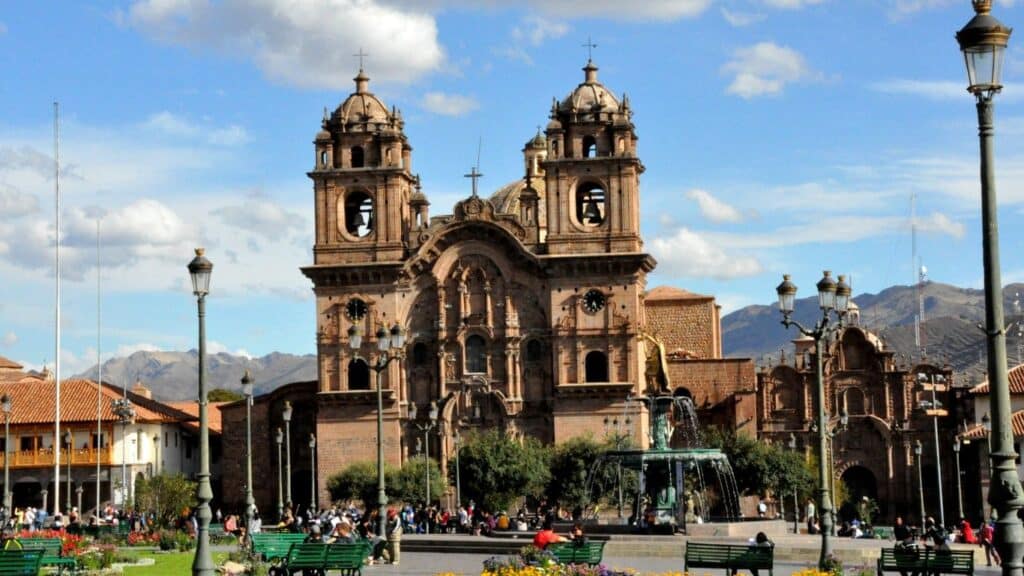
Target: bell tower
[592,172]
[363,182]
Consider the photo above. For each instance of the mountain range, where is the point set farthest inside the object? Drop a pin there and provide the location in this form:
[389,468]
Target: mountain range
[172,375]
[950,331]
[950,334]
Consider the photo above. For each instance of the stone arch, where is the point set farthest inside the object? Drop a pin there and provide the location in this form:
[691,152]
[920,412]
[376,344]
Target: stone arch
[595,366]
[786,389]
[856,401]
[358,374]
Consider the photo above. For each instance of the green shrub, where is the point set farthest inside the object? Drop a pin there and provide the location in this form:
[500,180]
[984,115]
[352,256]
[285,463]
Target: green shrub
[167,540]
[183,541]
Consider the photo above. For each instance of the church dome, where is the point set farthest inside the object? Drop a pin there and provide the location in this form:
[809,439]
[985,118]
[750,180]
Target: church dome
[589,95]
[323,135]
[506,199]
[538,141]
[362,107]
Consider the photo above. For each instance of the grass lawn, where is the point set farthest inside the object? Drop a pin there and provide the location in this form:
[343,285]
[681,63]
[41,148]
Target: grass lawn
[172,564]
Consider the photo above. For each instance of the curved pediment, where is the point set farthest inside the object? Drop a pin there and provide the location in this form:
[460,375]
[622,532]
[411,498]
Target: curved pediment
[474,222]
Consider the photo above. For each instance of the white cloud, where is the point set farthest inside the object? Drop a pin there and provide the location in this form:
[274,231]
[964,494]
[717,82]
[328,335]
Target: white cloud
[615,10]
[214,347]
[712,208]
[764,69]
[901,8]
[263,217]
[9,339]
[307,44]
[689,254]
[791,4]
[14,203]
[740,19]
[449,104]
[940,89]
[174,125]
[536,30]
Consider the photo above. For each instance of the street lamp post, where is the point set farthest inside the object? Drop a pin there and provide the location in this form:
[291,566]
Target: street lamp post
[618,437]
[5,403]
[250,502]
[932,407]
[457,439]
[125,413]
[959,487]
[312,474]
[796,504]
[920,480]
[78,492]
[833,297]
[430,424]
[983,42]
[200,270]
[68,440]
[390,347]
[279,439]
[286,415]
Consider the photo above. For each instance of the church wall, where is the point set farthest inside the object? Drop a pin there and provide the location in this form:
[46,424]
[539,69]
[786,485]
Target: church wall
[347,434]
[686,326]
[711,382]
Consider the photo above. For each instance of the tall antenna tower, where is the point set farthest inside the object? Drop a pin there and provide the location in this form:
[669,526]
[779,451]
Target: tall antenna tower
[920,277]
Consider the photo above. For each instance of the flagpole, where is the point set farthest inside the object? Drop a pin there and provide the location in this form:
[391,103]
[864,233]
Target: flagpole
[56,372]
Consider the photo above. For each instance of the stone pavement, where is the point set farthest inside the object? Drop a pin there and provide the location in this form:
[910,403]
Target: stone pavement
[430,563]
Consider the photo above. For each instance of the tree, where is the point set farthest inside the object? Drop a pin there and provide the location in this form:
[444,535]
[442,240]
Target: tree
[359,481]
[496,469]
[579,477]
[761,468]
[166,495]
[410,481]
[223,395]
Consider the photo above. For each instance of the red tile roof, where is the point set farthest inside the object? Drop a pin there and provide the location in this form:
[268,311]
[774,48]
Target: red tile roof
[1015,376]
[33,401]
[212,414]
[977,432]
[670,293]
[8,363]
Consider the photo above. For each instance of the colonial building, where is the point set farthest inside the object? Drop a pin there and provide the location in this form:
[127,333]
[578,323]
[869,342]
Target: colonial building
[526,310]
[889,404]
[157,438]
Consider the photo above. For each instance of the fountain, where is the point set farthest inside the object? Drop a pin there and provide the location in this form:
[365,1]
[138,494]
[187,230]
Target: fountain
[662,501]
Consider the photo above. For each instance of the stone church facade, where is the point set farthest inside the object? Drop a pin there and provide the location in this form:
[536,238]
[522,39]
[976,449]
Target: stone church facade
[526,310]
[887,399]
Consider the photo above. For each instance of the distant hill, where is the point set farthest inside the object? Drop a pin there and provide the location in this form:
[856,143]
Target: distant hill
[173,375]
[951,331]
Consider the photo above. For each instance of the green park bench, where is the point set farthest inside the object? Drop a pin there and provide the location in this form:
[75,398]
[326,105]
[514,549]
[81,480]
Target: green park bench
[348,558]
[926,561]
[217,530]
[882,532]
[729,557]
[274,546]
[53,552]
[20,562]
[304,556]
[589,552]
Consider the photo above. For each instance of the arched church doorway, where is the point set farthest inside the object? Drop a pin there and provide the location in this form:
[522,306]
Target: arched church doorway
[860,483]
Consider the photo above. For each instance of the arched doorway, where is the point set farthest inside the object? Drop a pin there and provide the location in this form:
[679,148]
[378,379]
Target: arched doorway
[860,483]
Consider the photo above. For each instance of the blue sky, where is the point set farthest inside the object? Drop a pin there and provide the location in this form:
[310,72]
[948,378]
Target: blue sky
[778,135]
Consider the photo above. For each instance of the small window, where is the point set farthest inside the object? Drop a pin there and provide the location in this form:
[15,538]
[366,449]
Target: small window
[167,439]
[476,355]
[589,147]
[358,214]
[420,356]
[534,351]
[138,446]
[357,157]
[622,145]
[323,158]
[28,444]
[596,366]
[590,205]
[358,375]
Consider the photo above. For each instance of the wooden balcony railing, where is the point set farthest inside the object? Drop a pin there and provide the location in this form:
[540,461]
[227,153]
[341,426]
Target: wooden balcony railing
[44,457]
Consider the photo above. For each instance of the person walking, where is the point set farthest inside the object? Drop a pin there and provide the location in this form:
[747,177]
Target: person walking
[986,536]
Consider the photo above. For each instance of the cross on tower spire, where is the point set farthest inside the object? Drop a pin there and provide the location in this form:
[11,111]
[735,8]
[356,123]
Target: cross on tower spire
[590,49]
[360,55]
[475,175]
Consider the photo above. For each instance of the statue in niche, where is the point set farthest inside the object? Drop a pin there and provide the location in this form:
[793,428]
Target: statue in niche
[449,367]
